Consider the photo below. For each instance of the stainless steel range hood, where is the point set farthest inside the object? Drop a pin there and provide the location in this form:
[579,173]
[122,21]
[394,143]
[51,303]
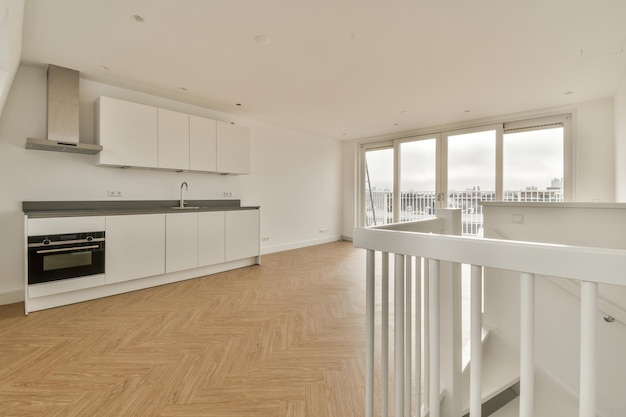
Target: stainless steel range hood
[63,128]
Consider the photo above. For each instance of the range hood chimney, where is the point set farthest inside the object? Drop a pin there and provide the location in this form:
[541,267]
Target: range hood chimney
[62,125]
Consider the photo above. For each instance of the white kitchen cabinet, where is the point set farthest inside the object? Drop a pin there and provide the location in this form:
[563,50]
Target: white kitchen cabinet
[211,238]
[181,241]
[242,234]
[233,149]
[127,132]
[173,139]
[135,246]
[202,144]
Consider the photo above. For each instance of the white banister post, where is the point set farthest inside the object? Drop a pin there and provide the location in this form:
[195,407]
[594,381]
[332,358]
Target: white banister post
[399,334]
[426,333]
[433,296]
[527,345]
[476,342]
[408,351]
[384,339]
[369,331]
[418,336]
[588,301]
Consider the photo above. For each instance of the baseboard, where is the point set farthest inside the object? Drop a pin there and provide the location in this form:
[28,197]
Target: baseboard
[299,245]
[11,297]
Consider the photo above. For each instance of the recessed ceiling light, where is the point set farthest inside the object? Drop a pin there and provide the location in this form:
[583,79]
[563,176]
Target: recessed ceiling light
[103,67]
[263,39]
[567,93]
[182,89]
[238,104]
[467,111]
[404,111]
[396,124]
[138,18]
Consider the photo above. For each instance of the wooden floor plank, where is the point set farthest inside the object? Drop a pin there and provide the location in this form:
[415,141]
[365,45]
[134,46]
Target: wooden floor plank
[281,339]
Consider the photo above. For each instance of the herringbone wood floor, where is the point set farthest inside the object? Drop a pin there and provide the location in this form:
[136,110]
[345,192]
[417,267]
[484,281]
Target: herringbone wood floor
[282,339]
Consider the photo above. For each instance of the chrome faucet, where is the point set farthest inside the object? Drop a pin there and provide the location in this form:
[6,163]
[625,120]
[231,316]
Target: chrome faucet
[182,201]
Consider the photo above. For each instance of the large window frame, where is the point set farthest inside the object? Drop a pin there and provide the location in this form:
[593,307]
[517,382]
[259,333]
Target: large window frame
[564,119]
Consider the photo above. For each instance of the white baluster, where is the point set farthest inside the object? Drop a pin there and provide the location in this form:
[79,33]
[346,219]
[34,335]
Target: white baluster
[476,342]
[408,351]
[588,300]
[527,345]
[399,334]
[369,330]
[426,333]
[433,295]
[418,336]
[384,351]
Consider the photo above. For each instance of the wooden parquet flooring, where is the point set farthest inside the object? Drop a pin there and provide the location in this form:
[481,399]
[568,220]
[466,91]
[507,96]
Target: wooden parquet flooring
[285,338]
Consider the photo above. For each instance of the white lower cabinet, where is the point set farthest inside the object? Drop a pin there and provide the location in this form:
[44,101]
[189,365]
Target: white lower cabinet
[210,238]
[181,241]
[135,246]
[242,234]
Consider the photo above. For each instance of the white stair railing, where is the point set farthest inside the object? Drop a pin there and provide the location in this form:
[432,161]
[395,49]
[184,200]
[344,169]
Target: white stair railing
[591,266]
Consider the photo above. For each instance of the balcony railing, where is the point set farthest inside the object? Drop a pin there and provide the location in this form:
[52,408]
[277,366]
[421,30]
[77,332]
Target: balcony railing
[421,260]
[420,205]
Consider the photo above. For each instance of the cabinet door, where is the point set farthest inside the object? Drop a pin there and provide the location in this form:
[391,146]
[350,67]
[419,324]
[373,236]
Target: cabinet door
[173,133]
[127,132]
[242,234]
[202,144]
[135,247]
[233,149]
[210,238]
[181,241]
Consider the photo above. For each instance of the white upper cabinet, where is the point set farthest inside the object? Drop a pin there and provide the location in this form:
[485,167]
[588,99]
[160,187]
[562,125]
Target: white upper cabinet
[127,132]
[173,134]
[202,144]
[233,149]
[136,135]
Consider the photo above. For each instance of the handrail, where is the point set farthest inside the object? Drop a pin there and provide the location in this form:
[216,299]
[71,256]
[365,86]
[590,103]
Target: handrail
[599,265]
[590,265]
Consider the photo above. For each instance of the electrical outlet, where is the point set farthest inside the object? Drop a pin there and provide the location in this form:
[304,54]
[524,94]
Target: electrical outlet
[518,218]
[265,238]
[323,231]
[228,194]
[114,193]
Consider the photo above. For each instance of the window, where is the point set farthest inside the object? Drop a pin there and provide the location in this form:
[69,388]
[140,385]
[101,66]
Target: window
[526,160]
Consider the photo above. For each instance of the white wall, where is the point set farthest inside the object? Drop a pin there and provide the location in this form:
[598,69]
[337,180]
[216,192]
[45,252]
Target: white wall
[620,141]
[595,136]
[296,177]
[349,157]
[11,18]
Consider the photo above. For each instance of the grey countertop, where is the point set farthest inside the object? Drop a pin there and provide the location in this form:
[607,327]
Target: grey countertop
[43,209]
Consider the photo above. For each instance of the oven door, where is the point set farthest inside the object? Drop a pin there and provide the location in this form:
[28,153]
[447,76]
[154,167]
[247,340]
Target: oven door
[57,260]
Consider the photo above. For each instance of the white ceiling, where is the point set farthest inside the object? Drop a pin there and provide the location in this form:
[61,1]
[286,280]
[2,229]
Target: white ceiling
[342,68]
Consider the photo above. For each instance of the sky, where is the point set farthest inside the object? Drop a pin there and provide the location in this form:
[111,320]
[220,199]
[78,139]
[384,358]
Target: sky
[530,159]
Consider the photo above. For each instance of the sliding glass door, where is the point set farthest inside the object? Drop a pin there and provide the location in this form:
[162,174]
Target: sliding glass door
[378,186]
[418,178]
[471,174]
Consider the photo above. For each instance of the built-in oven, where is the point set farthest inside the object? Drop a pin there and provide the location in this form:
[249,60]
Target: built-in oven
[63,256]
